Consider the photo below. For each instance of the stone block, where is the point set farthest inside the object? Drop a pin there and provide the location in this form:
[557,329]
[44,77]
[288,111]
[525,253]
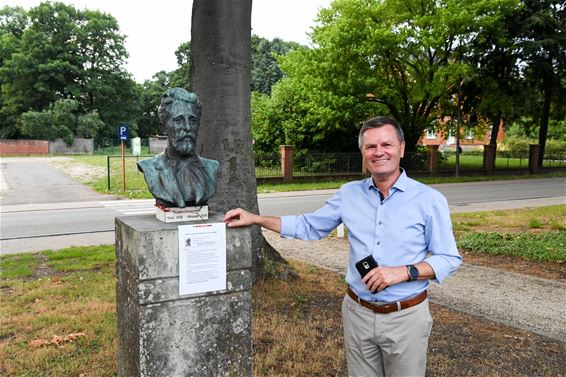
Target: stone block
[163,334]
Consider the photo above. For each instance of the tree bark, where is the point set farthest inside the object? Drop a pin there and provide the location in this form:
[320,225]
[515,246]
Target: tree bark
[220,75]
[543,130]
[495,121]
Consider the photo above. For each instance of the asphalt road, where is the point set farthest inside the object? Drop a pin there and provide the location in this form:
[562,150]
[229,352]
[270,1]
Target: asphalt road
[34,180]
[42,208]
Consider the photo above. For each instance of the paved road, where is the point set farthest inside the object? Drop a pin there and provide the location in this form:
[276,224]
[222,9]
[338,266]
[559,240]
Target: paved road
[66,213]
[34,180]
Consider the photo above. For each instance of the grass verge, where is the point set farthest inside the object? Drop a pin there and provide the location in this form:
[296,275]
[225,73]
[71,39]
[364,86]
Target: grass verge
[532,234]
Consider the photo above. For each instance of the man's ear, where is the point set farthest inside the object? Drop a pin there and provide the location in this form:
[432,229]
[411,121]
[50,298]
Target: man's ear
[402,149]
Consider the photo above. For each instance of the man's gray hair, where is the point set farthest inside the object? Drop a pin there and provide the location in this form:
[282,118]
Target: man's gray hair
[378,122]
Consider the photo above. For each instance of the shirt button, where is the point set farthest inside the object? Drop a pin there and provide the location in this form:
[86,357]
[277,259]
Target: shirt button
[378,242]
[380,223]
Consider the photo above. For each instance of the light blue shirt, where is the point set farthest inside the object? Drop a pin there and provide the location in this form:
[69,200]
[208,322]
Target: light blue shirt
[410,225]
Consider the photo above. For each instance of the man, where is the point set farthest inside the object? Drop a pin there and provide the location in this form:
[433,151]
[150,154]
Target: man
[406,227]
[178,177]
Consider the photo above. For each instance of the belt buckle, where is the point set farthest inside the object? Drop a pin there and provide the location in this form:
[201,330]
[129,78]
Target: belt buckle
[398,305]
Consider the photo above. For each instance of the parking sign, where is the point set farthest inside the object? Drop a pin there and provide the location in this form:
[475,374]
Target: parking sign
[123,132]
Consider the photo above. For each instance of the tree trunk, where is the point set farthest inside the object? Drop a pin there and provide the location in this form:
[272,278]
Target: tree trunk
[495,121]
[220,75]
[543,130]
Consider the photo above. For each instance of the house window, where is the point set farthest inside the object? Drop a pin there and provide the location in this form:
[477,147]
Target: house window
[470,134]
[430,133]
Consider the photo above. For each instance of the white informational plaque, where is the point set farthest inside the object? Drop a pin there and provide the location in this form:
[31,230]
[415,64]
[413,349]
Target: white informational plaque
[202,258]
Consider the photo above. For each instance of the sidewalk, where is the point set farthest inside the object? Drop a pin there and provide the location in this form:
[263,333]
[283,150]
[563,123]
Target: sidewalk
[522,301]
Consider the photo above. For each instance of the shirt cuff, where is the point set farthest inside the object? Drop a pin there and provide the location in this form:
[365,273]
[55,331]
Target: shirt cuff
[443,266]
[288,225]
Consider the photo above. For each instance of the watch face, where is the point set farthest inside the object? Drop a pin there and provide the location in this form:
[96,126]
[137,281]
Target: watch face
[413,272]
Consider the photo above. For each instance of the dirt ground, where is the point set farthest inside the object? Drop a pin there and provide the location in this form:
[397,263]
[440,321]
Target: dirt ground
[546,270]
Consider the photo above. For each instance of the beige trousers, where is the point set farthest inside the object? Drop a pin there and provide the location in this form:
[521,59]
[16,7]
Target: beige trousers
[393,344]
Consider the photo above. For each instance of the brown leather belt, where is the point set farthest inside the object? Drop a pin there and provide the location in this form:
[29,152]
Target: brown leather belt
[390,307]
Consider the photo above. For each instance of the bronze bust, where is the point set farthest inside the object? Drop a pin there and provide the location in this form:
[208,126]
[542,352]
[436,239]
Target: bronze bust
[178,177]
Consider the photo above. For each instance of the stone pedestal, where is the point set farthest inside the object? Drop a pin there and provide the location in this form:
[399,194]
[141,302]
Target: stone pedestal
[163,334]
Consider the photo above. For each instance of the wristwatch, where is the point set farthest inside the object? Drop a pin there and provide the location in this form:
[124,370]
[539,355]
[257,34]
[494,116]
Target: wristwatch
[413,272]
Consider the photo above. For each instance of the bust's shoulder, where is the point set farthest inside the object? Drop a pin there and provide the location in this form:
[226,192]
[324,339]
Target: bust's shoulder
[210,165]
[152,163]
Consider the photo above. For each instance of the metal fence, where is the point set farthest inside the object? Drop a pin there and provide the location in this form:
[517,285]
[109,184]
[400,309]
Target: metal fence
[267,165]
[317,164]
[554,160]
[309,164]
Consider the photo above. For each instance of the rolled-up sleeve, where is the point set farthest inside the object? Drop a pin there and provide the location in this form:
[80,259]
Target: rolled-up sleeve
[313,226]
[439,234]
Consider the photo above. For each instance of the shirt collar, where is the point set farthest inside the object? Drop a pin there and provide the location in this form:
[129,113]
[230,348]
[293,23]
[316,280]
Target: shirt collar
[401,183]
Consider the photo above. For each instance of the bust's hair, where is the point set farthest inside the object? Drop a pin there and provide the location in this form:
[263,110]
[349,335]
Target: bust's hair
[174,95]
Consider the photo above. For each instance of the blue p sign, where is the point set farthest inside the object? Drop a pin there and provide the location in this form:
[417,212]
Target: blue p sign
[123,132]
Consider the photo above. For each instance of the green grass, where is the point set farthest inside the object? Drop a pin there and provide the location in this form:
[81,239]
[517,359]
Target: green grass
[70,259]
[542,247]
[18,265]
[474,162]
[549,218]
[79,258]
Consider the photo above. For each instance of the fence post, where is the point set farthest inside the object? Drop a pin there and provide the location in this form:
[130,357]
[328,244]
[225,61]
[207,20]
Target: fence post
[489,158]
[432,159]
[287,162]
[534,150]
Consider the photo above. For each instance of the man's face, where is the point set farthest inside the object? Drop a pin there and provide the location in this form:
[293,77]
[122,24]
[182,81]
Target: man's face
[182,128]
[382,151]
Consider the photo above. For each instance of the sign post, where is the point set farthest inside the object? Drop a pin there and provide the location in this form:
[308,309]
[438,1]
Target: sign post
[123,136]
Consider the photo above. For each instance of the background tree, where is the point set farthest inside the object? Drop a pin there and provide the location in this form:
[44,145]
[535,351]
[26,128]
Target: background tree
[265,69]
[542,39]
[394,57]
[58,53]
[495,86]
[13,22]
[60,120]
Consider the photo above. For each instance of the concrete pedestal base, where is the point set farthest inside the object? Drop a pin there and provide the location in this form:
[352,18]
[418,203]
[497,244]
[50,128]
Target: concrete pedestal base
[163,334]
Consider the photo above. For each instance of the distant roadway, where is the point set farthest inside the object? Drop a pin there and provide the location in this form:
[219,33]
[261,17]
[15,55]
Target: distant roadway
[41,208]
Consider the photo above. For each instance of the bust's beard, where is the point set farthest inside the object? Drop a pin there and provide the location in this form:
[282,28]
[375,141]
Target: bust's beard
[184,147]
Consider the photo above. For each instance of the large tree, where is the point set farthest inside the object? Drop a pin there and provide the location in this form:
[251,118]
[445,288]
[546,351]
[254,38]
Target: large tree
[399,57]
[220,75]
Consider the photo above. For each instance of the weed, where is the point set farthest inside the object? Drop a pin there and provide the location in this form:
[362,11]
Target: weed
[535,224]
